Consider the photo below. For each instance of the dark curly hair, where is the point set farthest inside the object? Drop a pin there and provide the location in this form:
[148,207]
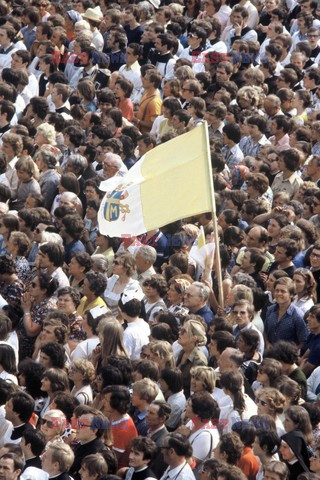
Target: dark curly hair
[97,282]
[33,373]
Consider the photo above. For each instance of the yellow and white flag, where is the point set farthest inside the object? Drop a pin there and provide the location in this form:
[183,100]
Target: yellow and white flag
[172,181]
[200,250]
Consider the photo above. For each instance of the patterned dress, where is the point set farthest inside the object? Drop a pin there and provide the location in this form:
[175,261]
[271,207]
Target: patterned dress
[38,314]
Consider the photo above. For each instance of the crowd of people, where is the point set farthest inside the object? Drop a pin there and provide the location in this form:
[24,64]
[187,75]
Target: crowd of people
[127,357]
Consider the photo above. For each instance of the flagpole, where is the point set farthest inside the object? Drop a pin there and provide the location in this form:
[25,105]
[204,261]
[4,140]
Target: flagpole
[216,250]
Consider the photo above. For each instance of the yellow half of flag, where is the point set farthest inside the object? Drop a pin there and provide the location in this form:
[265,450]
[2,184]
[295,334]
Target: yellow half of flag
[178,179]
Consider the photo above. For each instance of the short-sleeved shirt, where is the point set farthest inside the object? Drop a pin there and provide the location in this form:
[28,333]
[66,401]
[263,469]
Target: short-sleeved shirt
[290,327]
[123,432]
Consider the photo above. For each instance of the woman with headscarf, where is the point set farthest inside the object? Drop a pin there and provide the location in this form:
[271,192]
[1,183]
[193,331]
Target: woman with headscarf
[294,452]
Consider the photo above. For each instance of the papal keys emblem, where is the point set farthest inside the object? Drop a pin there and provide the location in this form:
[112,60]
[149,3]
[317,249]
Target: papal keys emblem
[114,207]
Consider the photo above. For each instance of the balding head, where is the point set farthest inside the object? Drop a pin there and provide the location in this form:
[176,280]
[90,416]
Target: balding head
[257,237]
[230,359]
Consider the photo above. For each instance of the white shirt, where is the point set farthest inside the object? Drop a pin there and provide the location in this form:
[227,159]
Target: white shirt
[84,349]
[135,336]
[84,395]
[97,40]
[133,74]
[177,402]
[8,377]
[6,58]
[204,440]
[182,472]
[229,416]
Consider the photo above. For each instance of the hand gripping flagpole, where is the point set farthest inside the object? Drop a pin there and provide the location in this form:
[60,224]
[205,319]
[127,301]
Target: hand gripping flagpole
[216,250]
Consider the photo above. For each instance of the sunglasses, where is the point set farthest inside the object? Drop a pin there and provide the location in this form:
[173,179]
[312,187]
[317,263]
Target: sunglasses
[49,423]
[261,402]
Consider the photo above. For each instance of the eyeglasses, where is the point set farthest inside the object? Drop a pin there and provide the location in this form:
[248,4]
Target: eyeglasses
[49,423]
[191,35]
[312,36]
[261,402]
[315,255]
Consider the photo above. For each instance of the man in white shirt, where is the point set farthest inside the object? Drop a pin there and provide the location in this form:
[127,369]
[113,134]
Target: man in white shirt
[21,59]
[131,71]
[146,257]
[176,449]
[7,49]
[238,28]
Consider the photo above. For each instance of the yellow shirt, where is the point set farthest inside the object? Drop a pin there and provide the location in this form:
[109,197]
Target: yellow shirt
[81,310]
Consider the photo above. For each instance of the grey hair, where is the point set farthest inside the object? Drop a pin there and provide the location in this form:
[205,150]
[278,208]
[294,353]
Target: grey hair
[148,253]
[243,279]
[146,8]
[48,158]
[100,262]
[79,162]
[115,158]
[204,290]
[82,23]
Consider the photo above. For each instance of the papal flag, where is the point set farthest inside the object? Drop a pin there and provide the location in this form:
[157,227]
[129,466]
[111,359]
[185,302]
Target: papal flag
[172,181]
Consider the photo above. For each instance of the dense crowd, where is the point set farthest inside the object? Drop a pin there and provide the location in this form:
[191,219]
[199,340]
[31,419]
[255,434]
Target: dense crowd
[119,358]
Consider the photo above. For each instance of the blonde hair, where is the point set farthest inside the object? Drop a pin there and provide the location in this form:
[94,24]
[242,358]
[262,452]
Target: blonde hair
[195,328]
[206,375]
[242,292]
[276,401]
[163,350]
[48,131]
[86,369]
[146,389]
[60,420]
[63,455]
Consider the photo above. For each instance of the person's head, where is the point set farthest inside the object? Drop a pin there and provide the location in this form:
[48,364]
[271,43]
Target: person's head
[30,374]
[275,470]
[248,343]
[192,334]
[111,340]
[232,384]
[124,264]
[144,390]
[158,413]
[284,291]
[11,464]
[141,452]
[19,408]
[33,442]
[93,467]
[289,160]
[266,443]
[51,255]
[196,296]
[230,360]
[202,379]
[243,313]
[116,399]
[315,256]
[269,370]
[202,406]
[171,381]
[58,458]
[175,447]
[54,380]
[270,401]
[82,371]
[155,286]
[229,449]
[52,355]
[297,418]
[94,284]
